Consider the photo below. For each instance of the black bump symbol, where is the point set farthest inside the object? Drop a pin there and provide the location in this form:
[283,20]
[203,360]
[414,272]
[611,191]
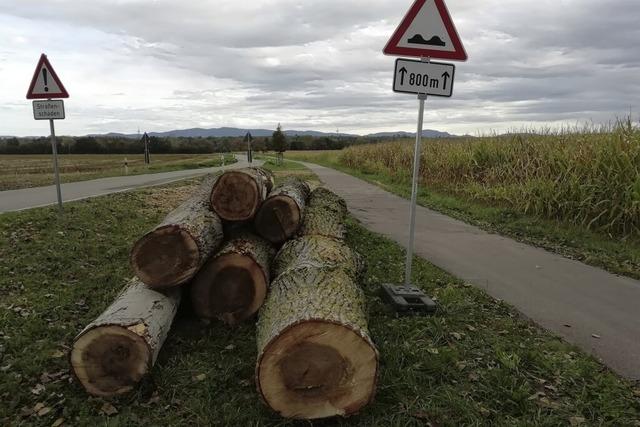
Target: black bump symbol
[433,41]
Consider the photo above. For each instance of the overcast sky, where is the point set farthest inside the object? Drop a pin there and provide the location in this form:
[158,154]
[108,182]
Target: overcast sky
[166,64]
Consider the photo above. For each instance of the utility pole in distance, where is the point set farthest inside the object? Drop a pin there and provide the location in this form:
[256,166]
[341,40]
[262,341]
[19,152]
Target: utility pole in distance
[248,138]
[145,141]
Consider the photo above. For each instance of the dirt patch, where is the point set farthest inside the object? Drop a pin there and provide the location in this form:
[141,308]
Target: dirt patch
[165,199]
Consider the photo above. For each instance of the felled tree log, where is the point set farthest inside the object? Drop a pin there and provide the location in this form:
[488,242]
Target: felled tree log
[112,354]
[171,254]
[281,213]
[315,357]
[232,285]
[238,194]
[325,215]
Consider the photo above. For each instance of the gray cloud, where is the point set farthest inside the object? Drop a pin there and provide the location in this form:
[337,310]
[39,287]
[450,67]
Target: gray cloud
[319,64]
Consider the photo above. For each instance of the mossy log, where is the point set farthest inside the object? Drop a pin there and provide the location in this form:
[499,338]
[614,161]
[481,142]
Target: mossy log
[115,351]
[320,252]
[233,283]
[171,254]
[281,214]
[315,357]
[238,194]
[325,215]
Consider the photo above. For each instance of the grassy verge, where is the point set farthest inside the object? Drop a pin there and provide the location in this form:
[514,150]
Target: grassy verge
[286,169]
[475,362]
[25,171]
[621,256]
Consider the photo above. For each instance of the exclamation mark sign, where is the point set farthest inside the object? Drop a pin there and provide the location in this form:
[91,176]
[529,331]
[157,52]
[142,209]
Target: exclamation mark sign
[44,75]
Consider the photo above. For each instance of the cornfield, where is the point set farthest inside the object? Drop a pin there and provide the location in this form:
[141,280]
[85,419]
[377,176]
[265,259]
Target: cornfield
[589,178]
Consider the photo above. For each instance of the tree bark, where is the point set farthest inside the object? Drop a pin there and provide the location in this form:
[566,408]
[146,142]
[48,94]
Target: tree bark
[281,214]
[320,252]
[325,215]
[316,359]
[173,252]
[232,285]
[315,356]
[238,194]
[112,354]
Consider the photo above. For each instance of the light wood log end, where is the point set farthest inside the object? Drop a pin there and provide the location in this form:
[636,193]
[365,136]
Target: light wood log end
[231,288]
[110,360]
[235,196]
[278,219]
[167,256]
[317,369]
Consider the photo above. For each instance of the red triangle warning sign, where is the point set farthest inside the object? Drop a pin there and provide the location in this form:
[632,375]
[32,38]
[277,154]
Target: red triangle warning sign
[427,31]
[45,82]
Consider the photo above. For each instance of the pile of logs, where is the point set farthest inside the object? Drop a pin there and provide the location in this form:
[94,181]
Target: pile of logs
[242,247]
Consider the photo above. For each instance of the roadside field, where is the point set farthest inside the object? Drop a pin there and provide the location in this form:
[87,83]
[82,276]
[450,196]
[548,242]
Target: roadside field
[24,171]
[451,189]
[591,180]
[476,361]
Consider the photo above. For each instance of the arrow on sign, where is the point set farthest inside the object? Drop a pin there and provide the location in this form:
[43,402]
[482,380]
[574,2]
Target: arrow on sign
[445,76]
[427,78]
[403,72]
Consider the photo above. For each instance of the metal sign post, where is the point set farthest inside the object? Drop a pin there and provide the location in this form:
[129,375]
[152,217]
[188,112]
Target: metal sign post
[414,190]
[55,164]
[147,156]
[45,85]
[248,139]
[426,32]
[51,110]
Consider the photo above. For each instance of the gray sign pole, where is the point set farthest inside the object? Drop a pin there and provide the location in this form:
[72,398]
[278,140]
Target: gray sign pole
[54,148]
[248,139]
[147,157]
[414,191]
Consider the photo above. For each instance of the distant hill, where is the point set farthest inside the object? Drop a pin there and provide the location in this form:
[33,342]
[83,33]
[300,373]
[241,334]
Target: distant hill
[237,132]
[224,132]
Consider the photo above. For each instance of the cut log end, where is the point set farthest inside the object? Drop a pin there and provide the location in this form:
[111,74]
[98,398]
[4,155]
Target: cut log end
[165,257]
[111,360]
[317,369]
[235,196]
[231,288]
[278,219]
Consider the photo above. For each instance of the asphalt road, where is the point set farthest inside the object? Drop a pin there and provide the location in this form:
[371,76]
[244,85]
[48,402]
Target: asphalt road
[589,307]
[27,198]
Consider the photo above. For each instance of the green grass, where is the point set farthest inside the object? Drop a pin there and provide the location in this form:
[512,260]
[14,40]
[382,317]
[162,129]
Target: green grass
[25,171]
[475,362]
[287,168]
[618,255]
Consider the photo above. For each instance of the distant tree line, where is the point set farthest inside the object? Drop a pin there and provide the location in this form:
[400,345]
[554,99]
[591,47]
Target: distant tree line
[172,145]
[117,145]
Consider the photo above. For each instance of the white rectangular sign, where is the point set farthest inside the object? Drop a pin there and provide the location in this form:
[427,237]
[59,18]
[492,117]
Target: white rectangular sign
[48,110]
[431,78]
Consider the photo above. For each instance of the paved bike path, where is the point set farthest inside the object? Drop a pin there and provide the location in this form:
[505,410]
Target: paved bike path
[601,309]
